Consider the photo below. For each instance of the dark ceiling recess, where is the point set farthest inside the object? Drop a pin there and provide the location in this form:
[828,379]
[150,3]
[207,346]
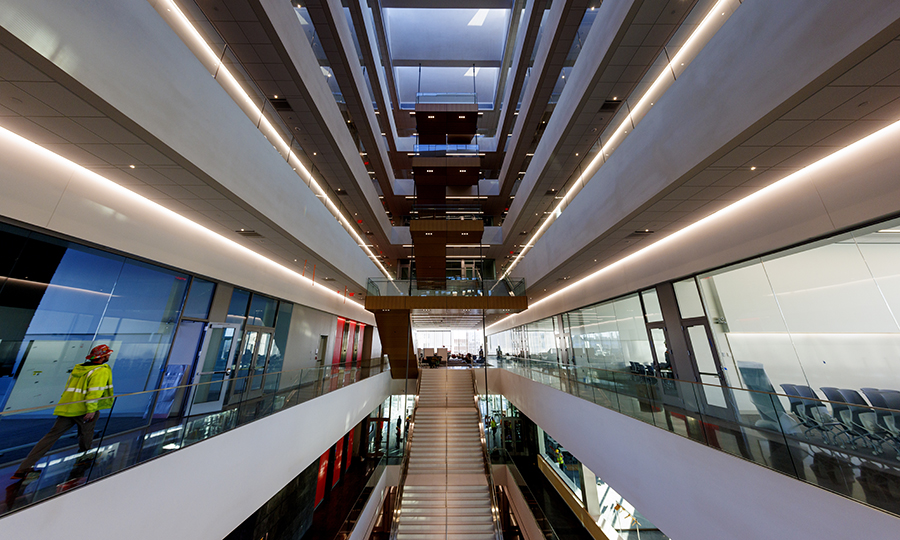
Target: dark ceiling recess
[280,104]
[249,233]
[610,105]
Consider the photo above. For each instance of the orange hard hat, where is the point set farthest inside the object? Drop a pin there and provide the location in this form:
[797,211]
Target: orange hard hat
[98,351]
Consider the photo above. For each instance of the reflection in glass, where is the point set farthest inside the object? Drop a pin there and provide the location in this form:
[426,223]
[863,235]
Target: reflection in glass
[237,309]
[688,297]
[199,299]
[262,311]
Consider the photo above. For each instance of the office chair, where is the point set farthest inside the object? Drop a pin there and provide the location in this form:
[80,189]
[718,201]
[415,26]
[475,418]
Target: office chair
[841,410]
[818,411]
[800,408]
[865,417]
[884,418]
[892,421]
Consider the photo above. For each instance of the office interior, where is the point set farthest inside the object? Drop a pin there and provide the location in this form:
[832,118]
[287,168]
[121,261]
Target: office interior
[694,203]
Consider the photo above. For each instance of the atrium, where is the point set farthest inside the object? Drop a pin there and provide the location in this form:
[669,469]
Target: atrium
[657,241]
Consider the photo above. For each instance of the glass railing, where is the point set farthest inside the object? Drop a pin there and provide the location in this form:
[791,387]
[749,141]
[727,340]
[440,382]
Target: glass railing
[141,426]
[404,469]
[489,472]
[499,456]
[446,97]
[851,449]
[446,287]
[348,529]
[446,149]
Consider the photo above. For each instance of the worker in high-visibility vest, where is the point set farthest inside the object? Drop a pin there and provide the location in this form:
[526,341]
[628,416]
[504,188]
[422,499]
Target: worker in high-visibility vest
[91,381]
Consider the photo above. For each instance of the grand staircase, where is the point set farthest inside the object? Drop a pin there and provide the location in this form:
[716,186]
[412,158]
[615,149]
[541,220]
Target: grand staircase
[446,493]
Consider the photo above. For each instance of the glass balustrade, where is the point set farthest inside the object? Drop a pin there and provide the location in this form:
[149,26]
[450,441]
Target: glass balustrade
[447,287]
[141,426]
[848,448]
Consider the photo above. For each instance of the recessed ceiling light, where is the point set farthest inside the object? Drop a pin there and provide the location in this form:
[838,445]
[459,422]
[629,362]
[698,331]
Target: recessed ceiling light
[752,168]
[131,166]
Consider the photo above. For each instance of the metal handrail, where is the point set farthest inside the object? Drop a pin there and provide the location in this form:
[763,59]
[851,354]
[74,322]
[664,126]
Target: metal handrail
[495,506]
[539,517]
[225,380]
[404,467]
[568,368]
[348,525]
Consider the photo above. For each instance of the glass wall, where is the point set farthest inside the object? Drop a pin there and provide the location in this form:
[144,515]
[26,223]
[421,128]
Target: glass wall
[455,341]
[540,342]
[791,360]
[563,464]
[822,316]
[59,299]
[611,335]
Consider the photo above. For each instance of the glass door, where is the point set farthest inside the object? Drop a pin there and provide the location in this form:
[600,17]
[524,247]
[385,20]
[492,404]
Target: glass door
[662,355]
[700,346]
[214,366]
[260,361]
[251,364]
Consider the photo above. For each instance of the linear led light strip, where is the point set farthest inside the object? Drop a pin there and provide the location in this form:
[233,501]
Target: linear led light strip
[892,130]
[122,192]
[704,31]
[234,89]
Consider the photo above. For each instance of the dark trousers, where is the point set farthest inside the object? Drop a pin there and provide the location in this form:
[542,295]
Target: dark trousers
[62,425]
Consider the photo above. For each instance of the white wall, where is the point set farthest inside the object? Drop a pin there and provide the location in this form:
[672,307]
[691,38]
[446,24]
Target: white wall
[307,327]
[711,104]
[686,489]
[205,490]
[127,55]
[51,192]
[855,185]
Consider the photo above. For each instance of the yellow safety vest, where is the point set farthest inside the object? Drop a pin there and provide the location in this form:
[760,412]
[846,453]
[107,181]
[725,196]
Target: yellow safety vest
[91,381]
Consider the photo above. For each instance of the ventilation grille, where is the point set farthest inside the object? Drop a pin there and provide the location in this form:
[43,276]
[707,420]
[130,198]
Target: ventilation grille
[280,104]
[609,105]
[249,234]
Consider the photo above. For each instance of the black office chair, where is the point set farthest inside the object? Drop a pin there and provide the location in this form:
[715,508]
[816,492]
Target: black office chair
[818,411]
[865,417]
[884,418]
[800,409]
[892,423]
[876,398]
[840,409]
